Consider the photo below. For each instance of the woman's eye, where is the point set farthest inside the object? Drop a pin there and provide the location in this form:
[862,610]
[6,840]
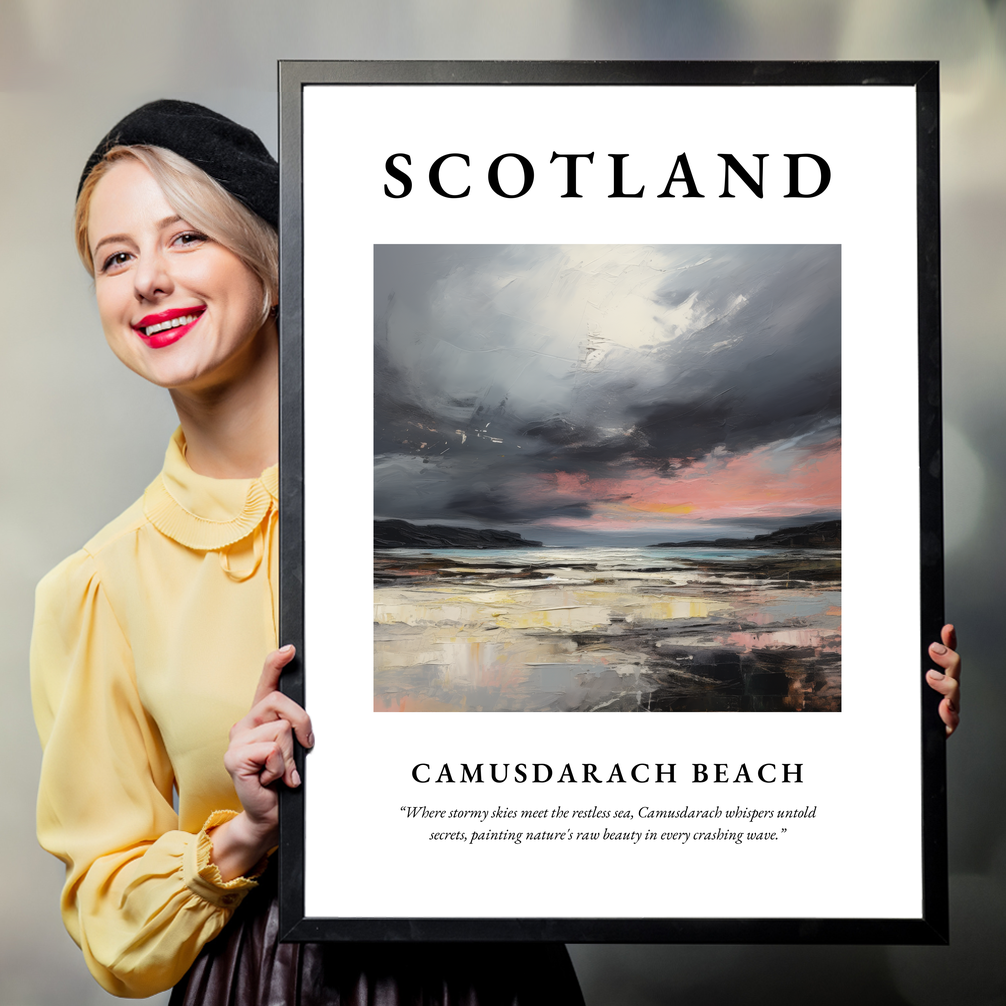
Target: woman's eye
[114,261]
[190,238]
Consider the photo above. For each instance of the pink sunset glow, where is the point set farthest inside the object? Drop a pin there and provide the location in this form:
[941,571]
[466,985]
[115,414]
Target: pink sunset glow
[775,480]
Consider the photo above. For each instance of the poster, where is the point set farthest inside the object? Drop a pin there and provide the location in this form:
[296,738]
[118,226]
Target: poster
[606,377]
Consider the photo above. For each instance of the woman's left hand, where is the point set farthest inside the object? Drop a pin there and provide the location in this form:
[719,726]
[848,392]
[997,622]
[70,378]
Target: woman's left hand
[260,754]
[948,681]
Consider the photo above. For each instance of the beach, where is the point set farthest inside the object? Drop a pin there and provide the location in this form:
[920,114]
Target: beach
[607,629]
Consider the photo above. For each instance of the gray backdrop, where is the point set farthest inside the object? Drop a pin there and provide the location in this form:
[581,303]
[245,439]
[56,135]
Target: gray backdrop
[82,436]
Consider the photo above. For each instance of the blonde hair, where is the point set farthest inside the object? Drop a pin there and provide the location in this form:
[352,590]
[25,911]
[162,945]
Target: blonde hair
[199,200]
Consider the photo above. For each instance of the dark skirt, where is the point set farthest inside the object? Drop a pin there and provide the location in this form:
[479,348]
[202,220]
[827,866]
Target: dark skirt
[246,965]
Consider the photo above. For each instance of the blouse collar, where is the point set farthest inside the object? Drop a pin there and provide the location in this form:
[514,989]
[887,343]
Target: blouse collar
[204,513]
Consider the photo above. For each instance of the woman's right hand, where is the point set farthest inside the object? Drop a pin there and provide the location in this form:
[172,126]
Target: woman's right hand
[260,753]
[948,681]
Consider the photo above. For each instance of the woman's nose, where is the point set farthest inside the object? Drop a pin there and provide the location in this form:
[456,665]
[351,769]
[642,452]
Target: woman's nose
[152,277]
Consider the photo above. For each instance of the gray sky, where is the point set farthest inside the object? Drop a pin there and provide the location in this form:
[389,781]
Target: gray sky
[552,386]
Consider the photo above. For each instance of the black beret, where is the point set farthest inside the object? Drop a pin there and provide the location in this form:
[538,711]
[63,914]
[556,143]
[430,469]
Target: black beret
[231,154]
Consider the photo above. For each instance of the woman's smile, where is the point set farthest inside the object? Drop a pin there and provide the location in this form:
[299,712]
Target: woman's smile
[166,327]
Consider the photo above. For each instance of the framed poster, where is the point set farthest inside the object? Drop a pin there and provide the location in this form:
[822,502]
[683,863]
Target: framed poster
[632,371]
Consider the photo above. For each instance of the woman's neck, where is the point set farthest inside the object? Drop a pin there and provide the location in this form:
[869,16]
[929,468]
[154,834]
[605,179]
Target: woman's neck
[231,426]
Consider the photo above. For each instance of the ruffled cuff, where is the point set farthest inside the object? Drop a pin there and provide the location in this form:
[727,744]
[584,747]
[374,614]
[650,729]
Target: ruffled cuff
[202,877]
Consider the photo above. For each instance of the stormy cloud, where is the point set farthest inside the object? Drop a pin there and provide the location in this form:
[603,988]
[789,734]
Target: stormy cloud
[516,385]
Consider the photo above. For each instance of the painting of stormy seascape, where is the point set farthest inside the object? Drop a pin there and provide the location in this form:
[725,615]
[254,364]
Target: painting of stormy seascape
[607,478]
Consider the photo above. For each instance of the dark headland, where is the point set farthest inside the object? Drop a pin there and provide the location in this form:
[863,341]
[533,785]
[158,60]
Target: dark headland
[823,534]
[402,534]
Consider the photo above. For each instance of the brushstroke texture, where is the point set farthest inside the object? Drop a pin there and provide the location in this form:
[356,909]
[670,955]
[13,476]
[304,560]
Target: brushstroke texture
[592,401]
[584,388]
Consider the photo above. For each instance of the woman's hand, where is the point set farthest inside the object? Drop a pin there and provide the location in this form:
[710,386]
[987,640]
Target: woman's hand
[947,682]
[260,753]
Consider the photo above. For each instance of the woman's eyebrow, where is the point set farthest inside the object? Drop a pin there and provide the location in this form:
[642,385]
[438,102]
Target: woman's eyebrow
[109,240]
[160,225]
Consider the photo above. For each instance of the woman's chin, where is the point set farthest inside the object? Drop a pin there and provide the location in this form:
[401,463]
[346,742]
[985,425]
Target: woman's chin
[193,364]
[173,374]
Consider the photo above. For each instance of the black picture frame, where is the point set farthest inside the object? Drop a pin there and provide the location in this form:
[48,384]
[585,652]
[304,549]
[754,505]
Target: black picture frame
[931,927]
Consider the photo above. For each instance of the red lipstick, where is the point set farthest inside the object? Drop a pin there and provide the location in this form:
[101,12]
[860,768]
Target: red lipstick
[166,327]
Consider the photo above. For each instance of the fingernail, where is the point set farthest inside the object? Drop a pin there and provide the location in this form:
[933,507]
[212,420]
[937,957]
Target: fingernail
[938,648]
[287,649]
[295,777]
[936,675]
[310,740]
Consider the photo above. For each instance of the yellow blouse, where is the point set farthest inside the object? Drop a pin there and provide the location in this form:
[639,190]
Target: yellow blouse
[147,647]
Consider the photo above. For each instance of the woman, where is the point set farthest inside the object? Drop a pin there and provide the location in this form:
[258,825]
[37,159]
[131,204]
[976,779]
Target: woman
[148,643]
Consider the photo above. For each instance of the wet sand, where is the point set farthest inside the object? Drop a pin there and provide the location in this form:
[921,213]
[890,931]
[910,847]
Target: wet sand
[607,630]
